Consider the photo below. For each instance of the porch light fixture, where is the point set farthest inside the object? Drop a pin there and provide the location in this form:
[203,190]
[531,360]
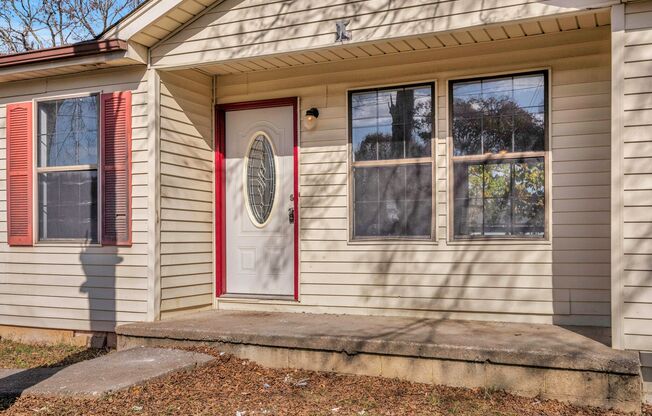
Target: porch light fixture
[310,119]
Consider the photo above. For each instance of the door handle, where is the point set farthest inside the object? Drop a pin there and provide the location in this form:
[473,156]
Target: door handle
[291,215]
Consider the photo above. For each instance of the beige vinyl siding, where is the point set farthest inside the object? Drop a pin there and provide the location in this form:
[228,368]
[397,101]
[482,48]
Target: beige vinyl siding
[564,281]
[65,285]
[637,180]
[235,29]
[186,192]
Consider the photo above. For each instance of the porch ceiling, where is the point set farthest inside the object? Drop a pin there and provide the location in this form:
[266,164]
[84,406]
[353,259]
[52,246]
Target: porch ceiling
[475,35]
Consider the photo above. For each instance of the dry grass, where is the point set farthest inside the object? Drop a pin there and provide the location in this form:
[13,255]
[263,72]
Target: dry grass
[17,355]
[230,386]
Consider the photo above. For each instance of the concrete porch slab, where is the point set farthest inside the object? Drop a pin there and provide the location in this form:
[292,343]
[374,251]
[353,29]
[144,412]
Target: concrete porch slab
[527,359]
[100,375]
[501,343]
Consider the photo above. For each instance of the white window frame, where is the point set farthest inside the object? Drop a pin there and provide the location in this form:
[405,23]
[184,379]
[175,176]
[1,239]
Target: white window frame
[432,159]
[546,238]
[71,168]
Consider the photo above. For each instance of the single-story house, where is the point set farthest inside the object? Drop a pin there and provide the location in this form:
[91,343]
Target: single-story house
[474,160]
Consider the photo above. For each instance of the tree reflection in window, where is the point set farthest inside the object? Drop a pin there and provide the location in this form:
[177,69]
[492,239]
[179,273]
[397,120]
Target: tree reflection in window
[499,115]
[392,197]
[392,123]
[505,198]
[499,131]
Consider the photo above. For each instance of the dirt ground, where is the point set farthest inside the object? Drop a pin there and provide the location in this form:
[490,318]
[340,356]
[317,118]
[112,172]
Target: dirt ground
[230,386]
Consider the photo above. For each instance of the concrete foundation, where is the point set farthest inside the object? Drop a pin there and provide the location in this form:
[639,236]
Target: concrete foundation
[529,360]
[28,335]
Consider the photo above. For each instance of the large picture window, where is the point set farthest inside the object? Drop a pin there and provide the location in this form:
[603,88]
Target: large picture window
[499,130]
[67,168]
[392,164]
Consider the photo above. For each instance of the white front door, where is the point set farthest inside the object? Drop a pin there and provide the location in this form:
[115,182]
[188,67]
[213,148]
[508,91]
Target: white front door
[259,170]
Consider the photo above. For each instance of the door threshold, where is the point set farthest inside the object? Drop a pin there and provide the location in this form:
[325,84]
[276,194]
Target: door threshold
[247,296]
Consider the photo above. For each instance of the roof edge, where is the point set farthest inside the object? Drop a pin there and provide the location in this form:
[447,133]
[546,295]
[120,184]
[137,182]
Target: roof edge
[93,47]
[115,24]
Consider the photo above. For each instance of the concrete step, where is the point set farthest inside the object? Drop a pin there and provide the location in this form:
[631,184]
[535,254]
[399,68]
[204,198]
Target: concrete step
[99,376]
[526,359]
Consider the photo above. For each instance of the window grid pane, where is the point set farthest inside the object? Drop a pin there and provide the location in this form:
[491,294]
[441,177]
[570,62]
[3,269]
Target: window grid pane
[498,115]
[503,198]
[67,205]
[393,123]
[393,201]
[68,131]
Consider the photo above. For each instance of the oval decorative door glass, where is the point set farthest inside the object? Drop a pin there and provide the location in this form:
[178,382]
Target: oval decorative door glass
[260,186]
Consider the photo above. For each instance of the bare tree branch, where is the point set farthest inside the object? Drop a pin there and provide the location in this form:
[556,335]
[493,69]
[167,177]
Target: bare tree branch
[28,24]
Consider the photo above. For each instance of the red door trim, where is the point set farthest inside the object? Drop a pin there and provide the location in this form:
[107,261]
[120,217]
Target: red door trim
[220,184]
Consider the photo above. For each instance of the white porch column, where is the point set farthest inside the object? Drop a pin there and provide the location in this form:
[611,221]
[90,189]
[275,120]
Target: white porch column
[153,200]
[617,81]
[631,193]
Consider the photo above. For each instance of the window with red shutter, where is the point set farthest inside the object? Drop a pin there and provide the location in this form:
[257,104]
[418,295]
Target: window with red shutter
[116,168]
[19,174]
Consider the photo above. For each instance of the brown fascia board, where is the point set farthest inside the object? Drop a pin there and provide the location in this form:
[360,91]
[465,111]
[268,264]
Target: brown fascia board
[93,47]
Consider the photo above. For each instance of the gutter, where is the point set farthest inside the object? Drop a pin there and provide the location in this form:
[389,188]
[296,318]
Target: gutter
[94,47]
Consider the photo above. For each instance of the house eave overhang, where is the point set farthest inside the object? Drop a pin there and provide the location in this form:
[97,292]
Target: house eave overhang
[96,47]
[139,18]
[155,20]
[74,58]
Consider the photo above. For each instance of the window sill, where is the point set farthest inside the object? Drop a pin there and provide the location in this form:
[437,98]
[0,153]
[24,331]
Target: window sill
[394,241]
[66,244]
[499,241]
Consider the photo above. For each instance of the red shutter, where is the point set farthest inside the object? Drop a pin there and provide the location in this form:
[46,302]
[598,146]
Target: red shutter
[19,174]
[116,168]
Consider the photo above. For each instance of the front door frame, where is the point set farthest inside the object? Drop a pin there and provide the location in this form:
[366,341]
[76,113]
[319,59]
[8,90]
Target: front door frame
[220,183]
